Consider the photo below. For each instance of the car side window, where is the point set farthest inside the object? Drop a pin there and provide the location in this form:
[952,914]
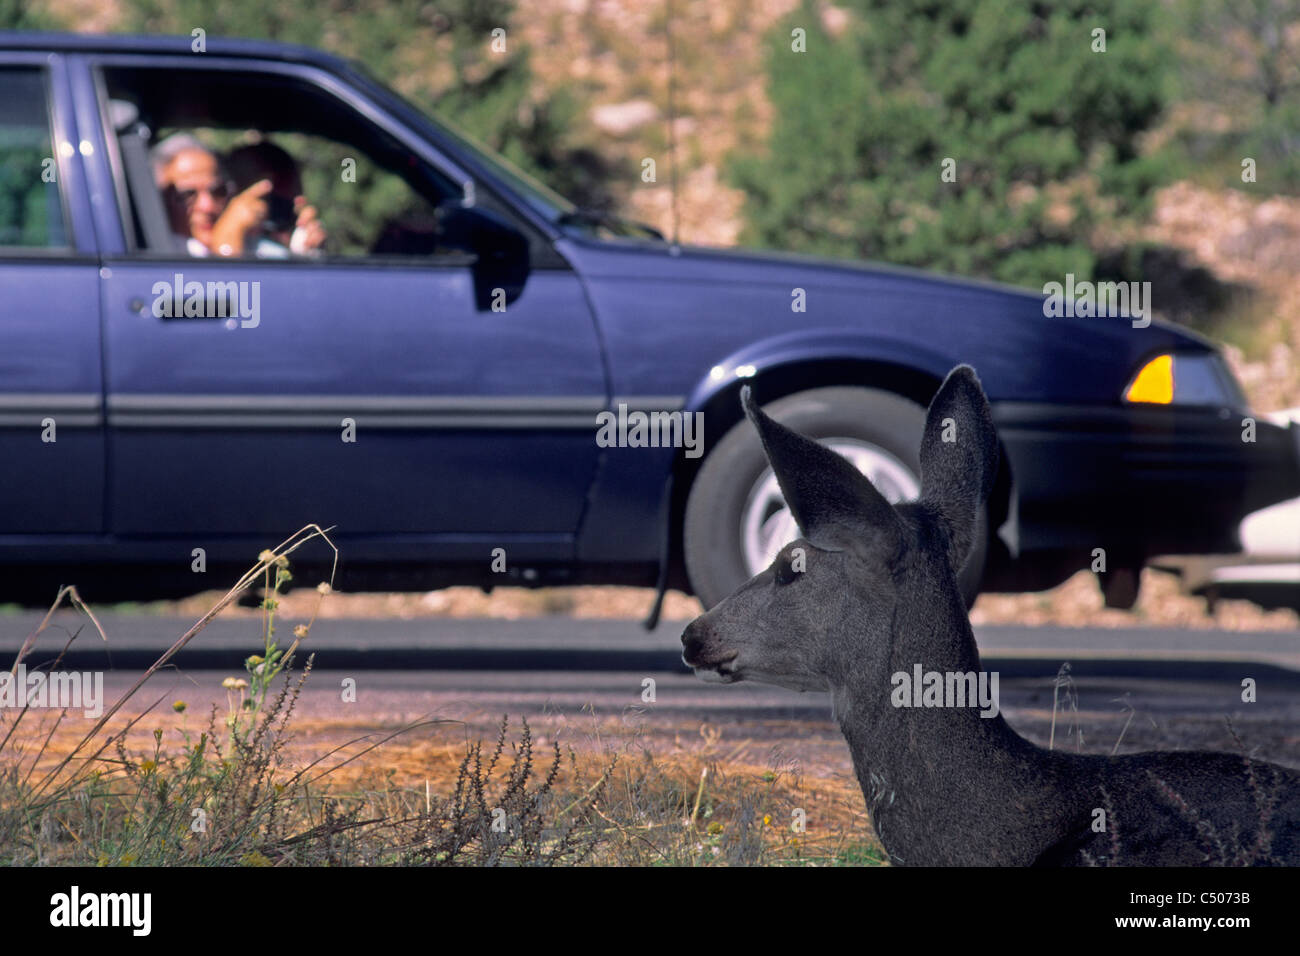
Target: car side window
[32,214]
[268,166]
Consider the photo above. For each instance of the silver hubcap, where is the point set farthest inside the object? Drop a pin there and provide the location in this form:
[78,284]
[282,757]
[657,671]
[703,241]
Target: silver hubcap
[766,523]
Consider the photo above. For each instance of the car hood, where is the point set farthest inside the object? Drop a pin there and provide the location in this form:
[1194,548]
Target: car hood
[647,261]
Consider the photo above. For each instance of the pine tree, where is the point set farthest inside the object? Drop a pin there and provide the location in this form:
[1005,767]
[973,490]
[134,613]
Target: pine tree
[1035,127]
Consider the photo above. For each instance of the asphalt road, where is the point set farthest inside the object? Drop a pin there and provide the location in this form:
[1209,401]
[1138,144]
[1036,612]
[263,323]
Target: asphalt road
[562,644]
[1148,688]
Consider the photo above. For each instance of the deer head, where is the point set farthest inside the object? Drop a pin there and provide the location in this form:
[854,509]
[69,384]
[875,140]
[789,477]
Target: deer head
[835,604]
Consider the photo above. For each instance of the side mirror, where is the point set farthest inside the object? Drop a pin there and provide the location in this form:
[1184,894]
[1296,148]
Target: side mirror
[501,250]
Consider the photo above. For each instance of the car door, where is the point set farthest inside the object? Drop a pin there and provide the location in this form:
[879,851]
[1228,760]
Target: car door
[51,428]
[380,394]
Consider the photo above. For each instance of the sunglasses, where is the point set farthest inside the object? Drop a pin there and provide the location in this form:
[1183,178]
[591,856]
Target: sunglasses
[187,196]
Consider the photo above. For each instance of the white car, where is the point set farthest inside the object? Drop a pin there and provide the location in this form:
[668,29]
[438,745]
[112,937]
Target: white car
[1267,571]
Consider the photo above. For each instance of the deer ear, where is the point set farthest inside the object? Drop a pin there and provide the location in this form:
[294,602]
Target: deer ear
[836,507]
[959,457]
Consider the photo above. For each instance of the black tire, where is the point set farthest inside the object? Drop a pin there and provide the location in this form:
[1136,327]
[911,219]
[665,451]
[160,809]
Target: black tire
[713,549]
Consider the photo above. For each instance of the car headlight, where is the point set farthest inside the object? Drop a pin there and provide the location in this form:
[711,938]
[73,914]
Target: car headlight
[1174,378]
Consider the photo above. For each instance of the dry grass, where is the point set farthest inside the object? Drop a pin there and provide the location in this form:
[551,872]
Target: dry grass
[250,790]
[427,796]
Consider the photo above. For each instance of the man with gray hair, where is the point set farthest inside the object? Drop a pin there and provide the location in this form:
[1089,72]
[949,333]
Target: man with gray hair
[163,153]
[197,196]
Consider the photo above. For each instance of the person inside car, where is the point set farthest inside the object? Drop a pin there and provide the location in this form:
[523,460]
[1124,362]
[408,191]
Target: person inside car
[291,226]
[198,197]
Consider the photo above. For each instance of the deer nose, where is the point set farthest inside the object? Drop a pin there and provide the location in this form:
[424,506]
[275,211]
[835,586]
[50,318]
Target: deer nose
[691,642]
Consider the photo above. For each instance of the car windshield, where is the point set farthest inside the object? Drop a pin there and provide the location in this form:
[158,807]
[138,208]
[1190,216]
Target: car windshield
[546,201]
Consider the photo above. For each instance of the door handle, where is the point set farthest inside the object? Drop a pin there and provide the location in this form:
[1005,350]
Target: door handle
[213,309]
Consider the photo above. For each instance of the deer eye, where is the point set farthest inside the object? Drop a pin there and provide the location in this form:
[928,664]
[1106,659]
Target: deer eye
[784,570]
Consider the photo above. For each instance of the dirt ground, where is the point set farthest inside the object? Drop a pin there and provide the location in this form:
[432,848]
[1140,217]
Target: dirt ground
[1075,603]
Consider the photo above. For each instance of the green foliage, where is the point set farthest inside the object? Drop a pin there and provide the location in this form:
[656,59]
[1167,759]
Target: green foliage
[30,214]
[27,206]
[493,96]
[354,213]
[1044,132]
[25,15]
[1241,75]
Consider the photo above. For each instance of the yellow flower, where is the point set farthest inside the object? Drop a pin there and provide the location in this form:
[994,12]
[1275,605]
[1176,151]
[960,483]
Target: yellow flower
[179,706]
[767,820]
[147,766]
[715,827]
[324,587]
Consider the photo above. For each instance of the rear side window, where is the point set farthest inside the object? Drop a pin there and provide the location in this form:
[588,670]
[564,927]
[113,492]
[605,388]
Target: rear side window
[31,207]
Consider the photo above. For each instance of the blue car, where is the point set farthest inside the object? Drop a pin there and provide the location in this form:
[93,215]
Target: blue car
[474,381]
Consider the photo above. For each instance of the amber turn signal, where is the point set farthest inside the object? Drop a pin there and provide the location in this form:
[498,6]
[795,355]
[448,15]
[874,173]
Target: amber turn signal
[1154,383]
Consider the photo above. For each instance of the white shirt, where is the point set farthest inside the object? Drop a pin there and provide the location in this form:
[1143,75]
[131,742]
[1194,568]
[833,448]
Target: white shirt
[263,249]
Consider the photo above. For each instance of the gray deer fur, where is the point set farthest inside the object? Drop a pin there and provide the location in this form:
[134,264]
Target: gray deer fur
[877,595]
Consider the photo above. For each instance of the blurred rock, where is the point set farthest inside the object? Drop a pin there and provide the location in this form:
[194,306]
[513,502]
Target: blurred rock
[618,119]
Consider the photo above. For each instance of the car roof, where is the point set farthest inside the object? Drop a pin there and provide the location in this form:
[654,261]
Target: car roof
[134,43]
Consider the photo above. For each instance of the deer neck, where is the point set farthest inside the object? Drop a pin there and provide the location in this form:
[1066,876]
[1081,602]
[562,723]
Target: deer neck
[944,784]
